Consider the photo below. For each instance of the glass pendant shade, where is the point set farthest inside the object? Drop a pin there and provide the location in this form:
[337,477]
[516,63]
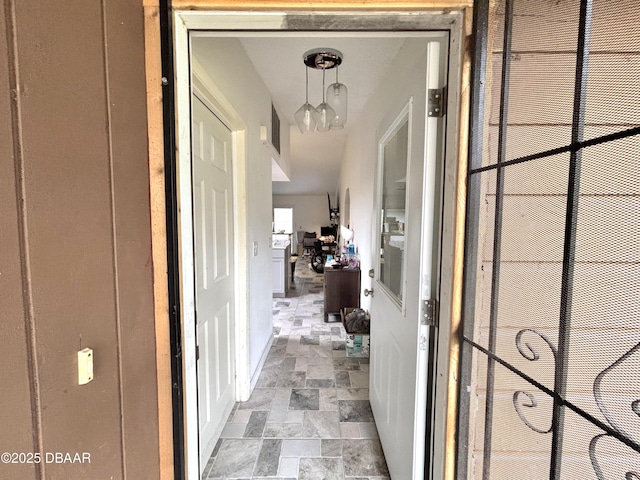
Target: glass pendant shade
[337,99]
[305,115]
[305,118]
[323,115]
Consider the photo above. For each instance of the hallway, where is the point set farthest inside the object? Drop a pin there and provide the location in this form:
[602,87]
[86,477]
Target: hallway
[309,416]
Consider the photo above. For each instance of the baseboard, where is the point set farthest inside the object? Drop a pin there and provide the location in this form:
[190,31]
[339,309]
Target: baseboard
[263,358]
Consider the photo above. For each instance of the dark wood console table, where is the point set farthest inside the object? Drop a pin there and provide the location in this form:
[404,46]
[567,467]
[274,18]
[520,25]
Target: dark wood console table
[341,289]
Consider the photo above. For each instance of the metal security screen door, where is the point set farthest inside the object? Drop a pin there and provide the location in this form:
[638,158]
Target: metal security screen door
[550,376]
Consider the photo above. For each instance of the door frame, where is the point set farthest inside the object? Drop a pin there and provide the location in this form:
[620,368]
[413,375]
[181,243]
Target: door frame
[442,159]
[161,40]
[190,75]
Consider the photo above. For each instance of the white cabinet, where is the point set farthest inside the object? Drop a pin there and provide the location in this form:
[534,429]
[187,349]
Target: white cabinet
[280,269]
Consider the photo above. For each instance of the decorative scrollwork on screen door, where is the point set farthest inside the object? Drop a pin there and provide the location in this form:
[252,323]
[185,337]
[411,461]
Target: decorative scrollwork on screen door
[622,412]
[528,351]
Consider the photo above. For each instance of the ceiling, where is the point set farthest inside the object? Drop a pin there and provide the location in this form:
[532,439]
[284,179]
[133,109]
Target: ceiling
[316,158]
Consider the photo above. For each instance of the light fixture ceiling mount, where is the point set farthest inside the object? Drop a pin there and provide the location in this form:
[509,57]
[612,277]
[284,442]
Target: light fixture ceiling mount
[322,58]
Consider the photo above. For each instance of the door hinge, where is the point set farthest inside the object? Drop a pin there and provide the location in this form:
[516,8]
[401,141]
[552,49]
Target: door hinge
[430,313]
[197,352]
[436,105]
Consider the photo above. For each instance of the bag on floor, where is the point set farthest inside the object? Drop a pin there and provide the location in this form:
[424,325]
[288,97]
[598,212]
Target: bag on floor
[357,321]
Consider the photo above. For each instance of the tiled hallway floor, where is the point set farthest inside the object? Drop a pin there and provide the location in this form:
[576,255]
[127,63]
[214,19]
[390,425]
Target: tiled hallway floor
[309,416]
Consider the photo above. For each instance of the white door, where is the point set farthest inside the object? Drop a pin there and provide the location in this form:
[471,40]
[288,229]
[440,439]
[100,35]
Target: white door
[404,266]
[214,269]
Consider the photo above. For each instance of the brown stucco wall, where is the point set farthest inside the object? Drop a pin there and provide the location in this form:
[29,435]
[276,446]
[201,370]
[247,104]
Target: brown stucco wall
[75,256]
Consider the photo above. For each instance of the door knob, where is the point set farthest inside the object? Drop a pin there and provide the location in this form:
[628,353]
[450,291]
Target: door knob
[368,292]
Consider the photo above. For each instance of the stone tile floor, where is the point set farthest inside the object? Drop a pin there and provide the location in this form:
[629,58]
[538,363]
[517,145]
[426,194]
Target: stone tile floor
[309,416]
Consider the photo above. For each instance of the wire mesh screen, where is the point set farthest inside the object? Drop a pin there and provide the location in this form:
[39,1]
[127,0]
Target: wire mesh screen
[550,380]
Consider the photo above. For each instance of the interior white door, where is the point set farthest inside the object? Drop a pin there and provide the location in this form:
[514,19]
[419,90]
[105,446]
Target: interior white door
[214,269]
[404,264]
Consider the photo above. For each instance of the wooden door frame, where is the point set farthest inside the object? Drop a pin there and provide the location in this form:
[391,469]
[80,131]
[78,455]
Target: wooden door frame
[159,21]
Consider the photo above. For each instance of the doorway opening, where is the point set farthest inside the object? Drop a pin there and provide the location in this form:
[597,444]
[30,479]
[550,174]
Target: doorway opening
[252,328]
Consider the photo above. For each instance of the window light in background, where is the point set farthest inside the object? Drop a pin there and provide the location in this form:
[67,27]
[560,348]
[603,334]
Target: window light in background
[283,220]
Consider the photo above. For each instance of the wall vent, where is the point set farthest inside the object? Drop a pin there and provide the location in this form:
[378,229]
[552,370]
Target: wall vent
[275,129]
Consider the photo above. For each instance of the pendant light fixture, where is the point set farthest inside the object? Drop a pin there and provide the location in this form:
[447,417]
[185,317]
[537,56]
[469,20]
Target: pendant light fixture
[304,115]
[337,99]
[332,112]
[323,115]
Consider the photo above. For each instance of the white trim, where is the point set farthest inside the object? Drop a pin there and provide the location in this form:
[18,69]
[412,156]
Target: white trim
[428,257]
[204,85]
[233,22]
[263,358]
[185,226]
[202,20]
[313,34]
[224,110]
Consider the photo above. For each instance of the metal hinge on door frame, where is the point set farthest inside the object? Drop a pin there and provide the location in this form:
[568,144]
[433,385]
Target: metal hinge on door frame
[430,313]
[437,102]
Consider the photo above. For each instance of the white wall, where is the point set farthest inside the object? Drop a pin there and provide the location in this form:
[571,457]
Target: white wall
[310,212]
[233,74]
[360,157]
